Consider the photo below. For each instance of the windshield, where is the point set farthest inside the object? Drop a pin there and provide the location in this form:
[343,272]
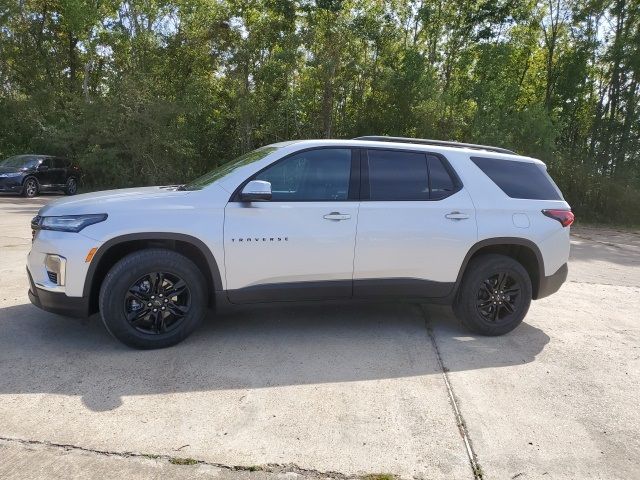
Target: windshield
[222,170]
[20,161]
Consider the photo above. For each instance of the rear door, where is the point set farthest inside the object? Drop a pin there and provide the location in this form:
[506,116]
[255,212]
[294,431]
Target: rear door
[299,245]
[59,171]
[415,225]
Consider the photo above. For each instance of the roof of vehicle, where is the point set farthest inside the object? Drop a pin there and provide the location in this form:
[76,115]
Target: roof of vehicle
[438,143]
[35,155]
[436,146]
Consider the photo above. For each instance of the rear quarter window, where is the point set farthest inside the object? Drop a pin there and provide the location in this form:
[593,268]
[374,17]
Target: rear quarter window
[525,180]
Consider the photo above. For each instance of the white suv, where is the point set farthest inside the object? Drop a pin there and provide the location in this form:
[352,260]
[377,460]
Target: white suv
[374,217]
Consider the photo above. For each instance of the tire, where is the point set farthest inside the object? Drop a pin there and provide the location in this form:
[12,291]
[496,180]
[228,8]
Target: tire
[131,285]
[481,310]
[71,187]
[30,187]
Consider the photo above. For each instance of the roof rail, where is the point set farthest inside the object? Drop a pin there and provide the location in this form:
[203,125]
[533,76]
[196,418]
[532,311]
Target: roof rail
[439,143]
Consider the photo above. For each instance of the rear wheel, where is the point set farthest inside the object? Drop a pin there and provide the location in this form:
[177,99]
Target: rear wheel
[153,298]
[494,296]
[30,187]
[71,187]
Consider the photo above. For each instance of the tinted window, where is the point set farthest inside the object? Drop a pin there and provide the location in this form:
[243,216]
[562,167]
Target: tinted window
[519,179]
[440,181]
[60,163]
[397,175]
[319,175]
[46,162]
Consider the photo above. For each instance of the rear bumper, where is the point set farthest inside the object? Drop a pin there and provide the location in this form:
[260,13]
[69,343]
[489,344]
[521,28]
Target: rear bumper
[552,283]
[58,302]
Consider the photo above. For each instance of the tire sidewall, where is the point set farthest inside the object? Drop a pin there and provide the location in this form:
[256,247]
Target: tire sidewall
[479,270]
[135,266]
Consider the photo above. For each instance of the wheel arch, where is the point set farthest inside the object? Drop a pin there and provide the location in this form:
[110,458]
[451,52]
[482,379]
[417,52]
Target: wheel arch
[28,176]
[522,250]
[116,248]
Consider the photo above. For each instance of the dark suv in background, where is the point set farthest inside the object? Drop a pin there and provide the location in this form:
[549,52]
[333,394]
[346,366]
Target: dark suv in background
[31,174]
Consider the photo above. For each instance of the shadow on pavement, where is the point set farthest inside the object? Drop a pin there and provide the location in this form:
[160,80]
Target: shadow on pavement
[261,347]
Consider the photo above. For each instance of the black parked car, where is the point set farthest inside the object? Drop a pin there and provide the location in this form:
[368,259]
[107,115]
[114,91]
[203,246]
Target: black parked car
[31,174]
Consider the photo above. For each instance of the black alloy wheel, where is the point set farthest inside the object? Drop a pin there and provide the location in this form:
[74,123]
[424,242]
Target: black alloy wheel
[494,296]
[153,298]
[157,303]
[497,297]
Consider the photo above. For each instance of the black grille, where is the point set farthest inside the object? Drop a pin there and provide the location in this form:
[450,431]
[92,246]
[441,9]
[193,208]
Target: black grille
[53,277]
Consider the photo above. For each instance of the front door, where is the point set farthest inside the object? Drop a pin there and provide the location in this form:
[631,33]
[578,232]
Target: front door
[299,245]
[415,225]
[45,172]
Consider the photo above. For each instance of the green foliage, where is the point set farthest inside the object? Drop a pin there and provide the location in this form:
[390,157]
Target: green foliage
[160,91]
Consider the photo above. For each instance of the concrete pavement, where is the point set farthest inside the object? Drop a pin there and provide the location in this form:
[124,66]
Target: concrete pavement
[345,388]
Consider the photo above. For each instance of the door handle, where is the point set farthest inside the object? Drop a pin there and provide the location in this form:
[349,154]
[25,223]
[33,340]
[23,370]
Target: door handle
[457,216]
[337,216]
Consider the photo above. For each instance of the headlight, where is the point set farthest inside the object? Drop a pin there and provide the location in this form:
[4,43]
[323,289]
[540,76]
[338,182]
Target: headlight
[67,223]
[11,174]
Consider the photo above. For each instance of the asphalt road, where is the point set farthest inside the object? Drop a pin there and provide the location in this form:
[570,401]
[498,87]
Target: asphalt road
[330,390]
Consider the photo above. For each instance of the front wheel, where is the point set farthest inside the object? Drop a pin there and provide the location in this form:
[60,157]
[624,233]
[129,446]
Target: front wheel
[153,298]
[30,187]
[494,296]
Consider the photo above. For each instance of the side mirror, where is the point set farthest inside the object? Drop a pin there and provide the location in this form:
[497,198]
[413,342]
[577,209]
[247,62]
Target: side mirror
[256,191]
[42,168]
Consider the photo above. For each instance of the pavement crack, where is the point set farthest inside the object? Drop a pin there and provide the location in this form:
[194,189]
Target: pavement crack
[275,468]
[462,426]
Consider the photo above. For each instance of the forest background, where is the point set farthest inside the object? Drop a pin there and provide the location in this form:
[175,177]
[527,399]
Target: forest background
[159,91]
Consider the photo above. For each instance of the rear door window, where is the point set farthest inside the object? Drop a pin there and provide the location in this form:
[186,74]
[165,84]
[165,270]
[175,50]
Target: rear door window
[525,180]
[395,175]
[60,163]
[398,175]
[440,182]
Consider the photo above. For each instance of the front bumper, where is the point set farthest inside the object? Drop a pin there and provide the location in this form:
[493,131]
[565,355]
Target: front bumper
[552,283]
[57,302]
[11,184]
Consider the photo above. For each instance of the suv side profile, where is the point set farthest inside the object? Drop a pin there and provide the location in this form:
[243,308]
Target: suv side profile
[477,227]
[30,174]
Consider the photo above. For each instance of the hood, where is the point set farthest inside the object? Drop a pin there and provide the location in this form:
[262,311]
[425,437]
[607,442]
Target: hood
[110,200]
[11,169]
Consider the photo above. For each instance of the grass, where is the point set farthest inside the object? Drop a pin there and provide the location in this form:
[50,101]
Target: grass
[380,476]
[182,461]
[625,227]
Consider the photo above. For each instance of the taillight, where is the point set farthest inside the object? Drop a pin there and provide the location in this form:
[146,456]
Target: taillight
[565,217]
